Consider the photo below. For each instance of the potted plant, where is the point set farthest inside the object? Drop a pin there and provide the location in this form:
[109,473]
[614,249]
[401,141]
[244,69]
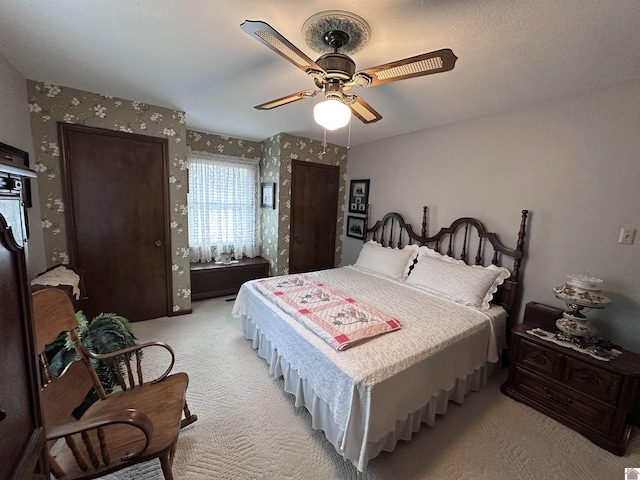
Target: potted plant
[228,257]
[105,333]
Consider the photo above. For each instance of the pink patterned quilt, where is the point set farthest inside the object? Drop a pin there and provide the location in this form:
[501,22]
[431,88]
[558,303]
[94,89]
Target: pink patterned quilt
[339,320]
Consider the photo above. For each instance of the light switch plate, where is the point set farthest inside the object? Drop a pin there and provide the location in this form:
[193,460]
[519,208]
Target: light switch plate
[626,236]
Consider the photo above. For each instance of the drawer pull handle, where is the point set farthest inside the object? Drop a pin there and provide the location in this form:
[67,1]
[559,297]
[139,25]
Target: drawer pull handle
[563,401]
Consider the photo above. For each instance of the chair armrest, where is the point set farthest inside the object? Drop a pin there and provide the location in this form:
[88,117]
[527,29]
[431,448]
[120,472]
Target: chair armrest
[137,349]
[129,416]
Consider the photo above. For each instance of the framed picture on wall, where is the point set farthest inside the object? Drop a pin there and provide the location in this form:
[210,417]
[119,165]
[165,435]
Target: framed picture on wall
[12,156]
[268,198]
[355,227]
[359,196]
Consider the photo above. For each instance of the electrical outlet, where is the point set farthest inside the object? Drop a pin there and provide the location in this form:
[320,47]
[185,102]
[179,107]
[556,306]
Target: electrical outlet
[626,236]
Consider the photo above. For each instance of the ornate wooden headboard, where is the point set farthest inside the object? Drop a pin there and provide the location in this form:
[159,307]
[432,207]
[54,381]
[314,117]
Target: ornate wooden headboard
[449,242]
[392,231]
[465,239]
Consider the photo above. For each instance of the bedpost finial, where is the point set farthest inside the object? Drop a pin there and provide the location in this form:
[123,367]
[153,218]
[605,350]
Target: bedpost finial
[520,245]
[366,223]
[424,225]
[522,231]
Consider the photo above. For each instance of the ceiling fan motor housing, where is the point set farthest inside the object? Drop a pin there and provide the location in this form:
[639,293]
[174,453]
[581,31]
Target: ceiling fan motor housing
[337,66]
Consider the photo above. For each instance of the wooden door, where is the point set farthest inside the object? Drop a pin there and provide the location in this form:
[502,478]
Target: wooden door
[314,214]
[116,201]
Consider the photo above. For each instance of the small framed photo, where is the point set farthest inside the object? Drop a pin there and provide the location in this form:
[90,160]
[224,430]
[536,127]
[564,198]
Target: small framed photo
[268,197]
[355,227]
[359,196]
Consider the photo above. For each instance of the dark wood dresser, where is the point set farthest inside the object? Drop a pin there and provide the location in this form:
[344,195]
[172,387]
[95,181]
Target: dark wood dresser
[22,436]
[216,280]
[591,396]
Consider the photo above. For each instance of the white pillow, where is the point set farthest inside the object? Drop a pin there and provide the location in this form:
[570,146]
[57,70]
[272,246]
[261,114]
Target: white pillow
[472,285]
[392,262]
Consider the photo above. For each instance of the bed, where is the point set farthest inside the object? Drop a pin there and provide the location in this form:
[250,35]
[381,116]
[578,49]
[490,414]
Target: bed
[380,389]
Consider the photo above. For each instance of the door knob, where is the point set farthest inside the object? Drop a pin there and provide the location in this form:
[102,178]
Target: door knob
[3,415]
[158,243]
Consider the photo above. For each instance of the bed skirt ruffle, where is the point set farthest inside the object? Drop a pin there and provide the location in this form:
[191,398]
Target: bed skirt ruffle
[323,419]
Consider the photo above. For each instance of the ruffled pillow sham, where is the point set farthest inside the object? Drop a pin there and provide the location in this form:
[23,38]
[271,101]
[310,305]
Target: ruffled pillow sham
[472,285]
[392,262]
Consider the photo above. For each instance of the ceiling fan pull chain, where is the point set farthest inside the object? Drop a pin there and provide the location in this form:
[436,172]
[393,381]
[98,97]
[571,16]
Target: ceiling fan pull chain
[349,135]
[324,143]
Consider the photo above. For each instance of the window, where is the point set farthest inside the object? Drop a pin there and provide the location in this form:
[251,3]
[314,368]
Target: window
[223,207]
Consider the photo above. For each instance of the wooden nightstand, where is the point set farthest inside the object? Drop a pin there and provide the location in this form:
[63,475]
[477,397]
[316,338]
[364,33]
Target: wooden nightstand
[593,397]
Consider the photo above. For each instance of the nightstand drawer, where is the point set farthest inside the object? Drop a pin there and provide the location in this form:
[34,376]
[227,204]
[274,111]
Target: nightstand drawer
[540,359]
[593,397]
[562,403]
[593,381]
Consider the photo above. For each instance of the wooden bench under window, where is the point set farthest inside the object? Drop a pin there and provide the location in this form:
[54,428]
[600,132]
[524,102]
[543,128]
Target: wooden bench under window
[216,280]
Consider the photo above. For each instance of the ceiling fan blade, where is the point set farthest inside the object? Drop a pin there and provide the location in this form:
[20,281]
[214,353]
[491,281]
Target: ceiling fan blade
[365,112]
[424,64]
[266,34]
[294,97]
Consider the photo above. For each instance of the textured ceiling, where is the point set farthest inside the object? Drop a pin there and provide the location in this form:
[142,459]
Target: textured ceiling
[191,55]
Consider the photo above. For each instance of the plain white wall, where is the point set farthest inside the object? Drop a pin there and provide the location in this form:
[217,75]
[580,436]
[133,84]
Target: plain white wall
[15,130]
[574,163]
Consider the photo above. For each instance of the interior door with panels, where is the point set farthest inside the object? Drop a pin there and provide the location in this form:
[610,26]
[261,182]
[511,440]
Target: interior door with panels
[314,215]
[116,202]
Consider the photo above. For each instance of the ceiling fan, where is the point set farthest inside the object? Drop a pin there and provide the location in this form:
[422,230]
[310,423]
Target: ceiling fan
[334,73]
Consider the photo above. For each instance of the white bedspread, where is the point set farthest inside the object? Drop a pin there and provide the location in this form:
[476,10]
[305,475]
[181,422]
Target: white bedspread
[372,386]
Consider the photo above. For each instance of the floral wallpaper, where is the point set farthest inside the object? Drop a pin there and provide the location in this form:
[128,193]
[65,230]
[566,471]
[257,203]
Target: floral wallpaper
[270,172]
[235,147]
[276,154]
[49,104]
[223,145]
[291,148]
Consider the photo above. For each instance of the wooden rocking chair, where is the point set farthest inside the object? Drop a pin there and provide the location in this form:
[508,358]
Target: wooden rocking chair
[138,423]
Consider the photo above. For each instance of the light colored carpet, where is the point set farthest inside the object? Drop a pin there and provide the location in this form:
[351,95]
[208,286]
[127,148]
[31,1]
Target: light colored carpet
[248,428]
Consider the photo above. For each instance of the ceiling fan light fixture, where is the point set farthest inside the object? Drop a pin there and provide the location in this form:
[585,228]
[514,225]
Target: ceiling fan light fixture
[331,114]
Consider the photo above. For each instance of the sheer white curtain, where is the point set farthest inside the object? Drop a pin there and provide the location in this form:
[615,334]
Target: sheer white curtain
[223,207]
